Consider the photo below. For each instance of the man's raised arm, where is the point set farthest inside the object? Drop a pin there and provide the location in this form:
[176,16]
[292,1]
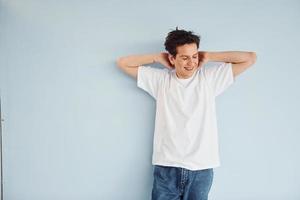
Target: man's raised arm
[240,60]
[130,64]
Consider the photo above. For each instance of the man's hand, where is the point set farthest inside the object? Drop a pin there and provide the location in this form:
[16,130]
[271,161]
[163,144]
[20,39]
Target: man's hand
[203,58]
[163,59]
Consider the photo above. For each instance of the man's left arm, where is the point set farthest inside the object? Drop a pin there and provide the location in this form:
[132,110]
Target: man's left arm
[240,60]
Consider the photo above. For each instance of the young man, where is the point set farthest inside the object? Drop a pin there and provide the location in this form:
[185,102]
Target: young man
[185,147]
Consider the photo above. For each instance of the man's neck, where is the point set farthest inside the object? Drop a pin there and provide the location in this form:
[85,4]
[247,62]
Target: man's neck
[183,77]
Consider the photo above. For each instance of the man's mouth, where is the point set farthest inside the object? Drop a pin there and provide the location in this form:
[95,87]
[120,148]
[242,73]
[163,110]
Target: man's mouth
[189,68]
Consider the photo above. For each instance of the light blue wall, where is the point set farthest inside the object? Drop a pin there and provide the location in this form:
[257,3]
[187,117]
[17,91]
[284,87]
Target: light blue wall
[78,128]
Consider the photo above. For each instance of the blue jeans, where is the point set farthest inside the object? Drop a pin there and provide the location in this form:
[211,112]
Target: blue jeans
[174,183]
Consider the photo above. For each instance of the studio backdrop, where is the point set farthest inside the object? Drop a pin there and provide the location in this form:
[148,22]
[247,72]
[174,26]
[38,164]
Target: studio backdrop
[76,127]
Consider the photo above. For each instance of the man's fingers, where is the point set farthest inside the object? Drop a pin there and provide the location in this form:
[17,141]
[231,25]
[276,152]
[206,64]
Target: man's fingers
[168,65]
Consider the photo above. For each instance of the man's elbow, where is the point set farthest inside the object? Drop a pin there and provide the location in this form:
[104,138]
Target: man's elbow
[252,57]
[120,62]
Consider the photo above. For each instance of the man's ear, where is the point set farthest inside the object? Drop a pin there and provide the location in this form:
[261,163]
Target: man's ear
[171,59]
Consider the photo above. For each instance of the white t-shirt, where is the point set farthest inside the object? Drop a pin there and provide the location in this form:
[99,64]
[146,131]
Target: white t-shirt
[186,81]
[186,132]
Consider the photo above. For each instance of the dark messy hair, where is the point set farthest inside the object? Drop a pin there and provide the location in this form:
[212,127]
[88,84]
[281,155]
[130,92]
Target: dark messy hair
[178,37]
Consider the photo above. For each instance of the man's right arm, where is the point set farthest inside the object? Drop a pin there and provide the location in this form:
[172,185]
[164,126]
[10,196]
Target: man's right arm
[130,64]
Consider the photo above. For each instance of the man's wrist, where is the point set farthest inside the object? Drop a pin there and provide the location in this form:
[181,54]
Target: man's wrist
[156,57]
[208,56]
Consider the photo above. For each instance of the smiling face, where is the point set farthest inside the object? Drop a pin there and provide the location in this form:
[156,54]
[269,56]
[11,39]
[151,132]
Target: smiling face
[186,60]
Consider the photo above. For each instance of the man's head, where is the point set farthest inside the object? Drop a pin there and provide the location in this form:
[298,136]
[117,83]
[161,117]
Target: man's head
[183,52]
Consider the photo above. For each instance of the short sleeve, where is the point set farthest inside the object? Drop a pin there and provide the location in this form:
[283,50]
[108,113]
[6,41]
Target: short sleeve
[150,79]
[219,77]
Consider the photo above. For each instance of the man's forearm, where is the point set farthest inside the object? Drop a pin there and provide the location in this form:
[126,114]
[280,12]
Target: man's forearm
[137,60]
[230,56]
